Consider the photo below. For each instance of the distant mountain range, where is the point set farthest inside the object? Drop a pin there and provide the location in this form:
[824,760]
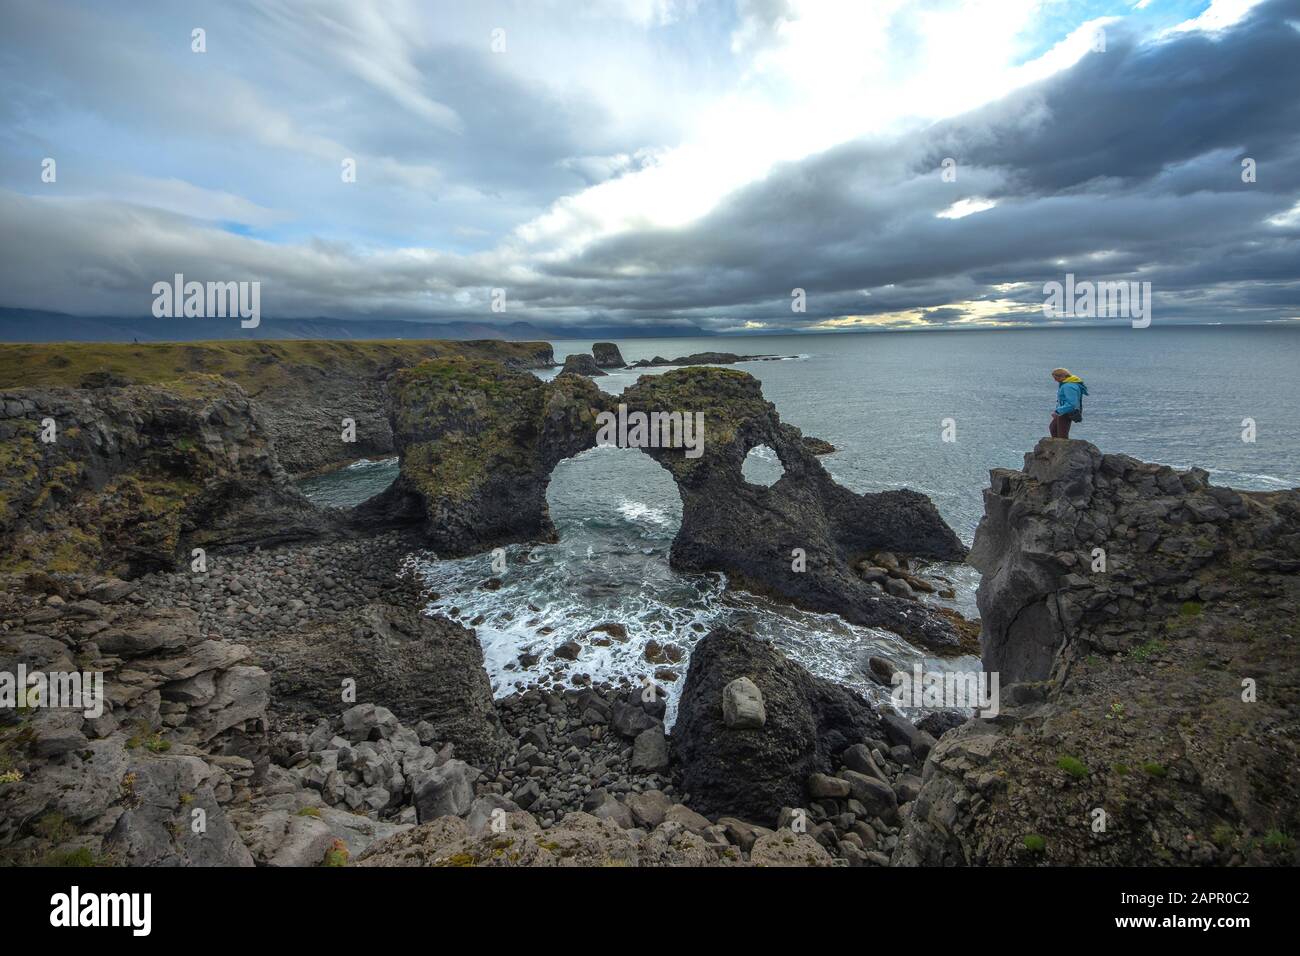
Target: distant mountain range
[35,325]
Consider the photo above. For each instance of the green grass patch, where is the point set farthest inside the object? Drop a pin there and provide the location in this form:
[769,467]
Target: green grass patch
[1073,766]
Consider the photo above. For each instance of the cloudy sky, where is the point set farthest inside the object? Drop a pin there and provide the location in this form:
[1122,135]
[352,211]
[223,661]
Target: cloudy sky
[649,162]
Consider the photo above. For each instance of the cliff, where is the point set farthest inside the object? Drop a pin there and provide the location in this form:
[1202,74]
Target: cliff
[304,388]
[1143,622]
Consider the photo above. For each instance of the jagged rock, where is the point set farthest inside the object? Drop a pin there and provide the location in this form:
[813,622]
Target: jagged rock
[753,773]
[162,793]
[786,848]
[607,355]
[447,790]
[478,442]
[579,363]
[422,669]
[648,808]
[748,531]
[650,750]
[1123,603]
[141,475]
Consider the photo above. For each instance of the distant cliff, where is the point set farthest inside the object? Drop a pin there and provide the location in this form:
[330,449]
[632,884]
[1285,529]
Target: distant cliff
[305,389]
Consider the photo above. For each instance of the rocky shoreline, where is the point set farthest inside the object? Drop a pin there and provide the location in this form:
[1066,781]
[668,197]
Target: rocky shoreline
[273,695]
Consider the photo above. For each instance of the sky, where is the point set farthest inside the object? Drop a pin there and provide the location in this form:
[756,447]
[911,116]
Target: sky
[655,163]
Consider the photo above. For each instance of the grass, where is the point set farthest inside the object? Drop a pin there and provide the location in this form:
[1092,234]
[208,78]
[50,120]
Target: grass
[1276,841]
[1073,766]
[1155,769]
[1191,609]
[1143,652]
[336,855]
[256,365]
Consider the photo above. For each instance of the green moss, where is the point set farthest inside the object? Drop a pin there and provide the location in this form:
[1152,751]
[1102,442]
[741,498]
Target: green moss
[81,856]
[1035,843]
[1073,766]
[1276,841]
[336,855]
[1143,652]
[1223,836]
[1155,769]
[309,812]
[255,365]
[1191,609]
[55,827]
[1122,769]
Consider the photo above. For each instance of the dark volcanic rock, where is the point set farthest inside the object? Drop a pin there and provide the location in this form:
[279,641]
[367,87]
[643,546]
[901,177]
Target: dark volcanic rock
[138,476]
[704,358]
[1129,609]
[607,355]
[420,668]
[580,363]
[478,444]
[751,532]
[752,773]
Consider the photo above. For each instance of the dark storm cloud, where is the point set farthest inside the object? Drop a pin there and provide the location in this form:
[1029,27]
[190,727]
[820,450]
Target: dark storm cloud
[1124,166]
[1130,160]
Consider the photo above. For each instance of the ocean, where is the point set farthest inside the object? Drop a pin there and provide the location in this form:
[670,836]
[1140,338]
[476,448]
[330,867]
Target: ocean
[1176,395]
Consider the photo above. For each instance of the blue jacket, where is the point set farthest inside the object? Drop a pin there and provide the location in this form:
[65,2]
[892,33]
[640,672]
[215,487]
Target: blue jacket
[1069,395]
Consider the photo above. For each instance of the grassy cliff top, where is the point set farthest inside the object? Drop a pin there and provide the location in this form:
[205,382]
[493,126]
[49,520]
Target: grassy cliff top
[254,364]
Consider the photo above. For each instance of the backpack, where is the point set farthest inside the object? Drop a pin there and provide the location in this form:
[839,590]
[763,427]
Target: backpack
[1077,414]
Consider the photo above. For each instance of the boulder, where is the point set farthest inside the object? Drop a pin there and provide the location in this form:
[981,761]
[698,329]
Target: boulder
[752,773]
[607,355]
[742,705]
[445,791]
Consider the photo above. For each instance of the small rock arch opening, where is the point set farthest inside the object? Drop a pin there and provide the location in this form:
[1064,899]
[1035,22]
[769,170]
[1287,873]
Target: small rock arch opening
[762,466]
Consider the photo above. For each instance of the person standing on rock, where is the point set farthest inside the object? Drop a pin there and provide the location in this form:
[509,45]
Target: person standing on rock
[1069,402]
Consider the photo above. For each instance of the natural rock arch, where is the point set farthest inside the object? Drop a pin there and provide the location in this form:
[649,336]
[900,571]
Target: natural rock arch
[479,441]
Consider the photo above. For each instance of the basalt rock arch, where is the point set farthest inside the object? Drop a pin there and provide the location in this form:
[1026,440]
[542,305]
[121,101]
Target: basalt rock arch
[479,441]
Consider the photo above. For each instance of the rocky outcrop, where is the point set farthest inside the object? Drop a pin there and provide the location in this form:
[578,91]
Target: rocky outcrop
[731,762]
[800,538]
[132,478]
[421,668]
[478,444]
[180,738]
[305,389]
[607,355]
[1145,622]
[580,363]
[705,358]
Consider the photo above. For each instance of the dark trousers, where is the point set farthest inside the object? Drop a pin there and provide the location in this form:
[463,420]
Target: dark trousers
[1060,427]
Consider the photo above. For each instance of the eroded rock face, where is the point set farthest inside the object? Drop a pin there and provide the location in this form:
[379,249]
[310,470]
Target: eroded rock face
[478,444]
[754,771]
[1128,684]
[138,476]
[751,532]
[1148,529]
[607,355]
[580,363]
[420,668]
[182,728]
